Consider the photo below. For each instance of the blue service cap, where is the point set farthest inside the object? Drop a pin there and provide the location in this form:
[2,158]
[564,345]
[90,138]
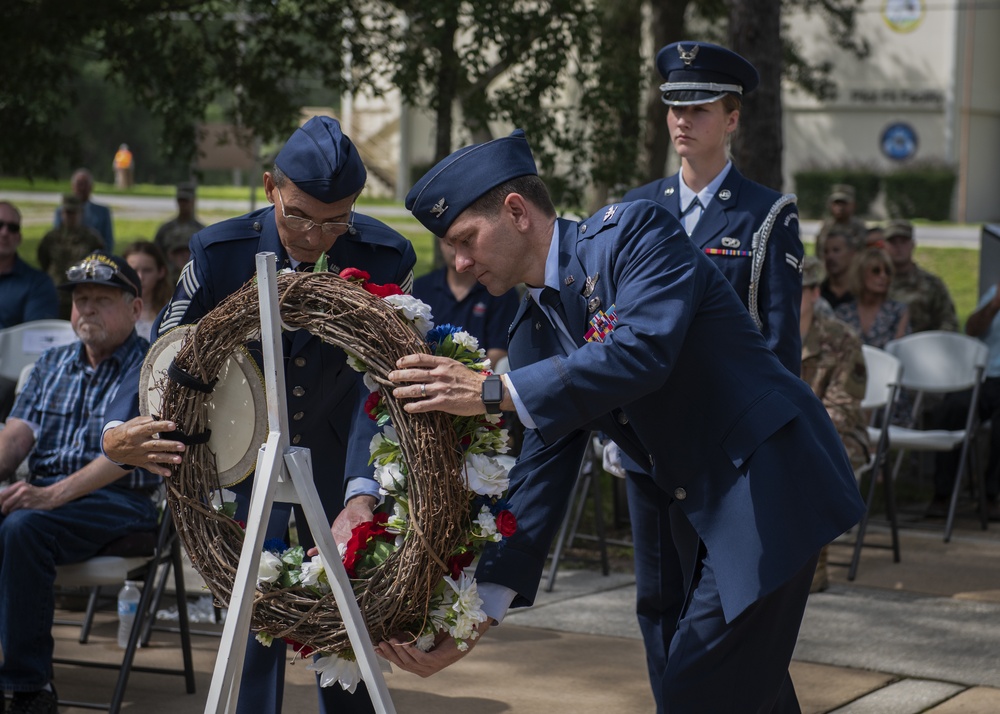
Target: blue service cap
[321,161]
[458,180]
[699,73]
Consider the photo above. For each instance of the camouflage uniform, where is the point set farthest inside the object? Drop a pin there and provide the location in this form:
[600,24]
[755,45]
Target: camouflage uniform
[60,250]
[834,367]
[176,234]
[927,298]
[855,226]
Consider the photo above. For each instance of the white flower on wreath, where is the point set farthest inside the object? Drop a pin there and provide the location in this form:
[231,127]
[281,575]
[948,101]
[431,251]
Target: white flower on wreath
[337,670]
[425,641]
[485,475]
[416,311]
[270,567]
[356,363]
[390,477]
[488,525]
[467,606]
[312,571]
[469,342]
[397,522]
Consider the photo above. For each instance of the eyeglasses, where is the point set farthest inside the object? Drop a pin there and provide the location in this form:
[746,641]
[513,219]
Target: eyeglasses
[11,226]
[879,270]
[304,225]
[97,270]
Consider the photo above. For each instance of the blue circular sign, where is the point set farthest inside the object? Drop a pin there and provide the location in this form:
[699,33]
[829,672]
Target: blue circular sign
[899,141]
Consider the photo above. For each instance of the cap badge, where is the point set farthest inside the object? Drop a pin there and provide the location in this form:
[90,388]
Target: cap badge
[687,56]
[589,283]
[729,242]
[610,212]
[725,194]
[439,208]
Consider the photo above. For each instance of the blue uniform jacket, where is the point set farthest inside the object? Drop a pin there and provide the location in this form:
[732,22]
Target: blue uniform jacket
[737,215]
[324,394]
[685,384]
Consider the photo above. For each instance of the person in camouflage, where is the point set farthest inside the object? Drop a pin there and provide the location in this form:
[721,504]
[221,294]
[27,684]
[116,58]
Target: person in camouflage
[926,295]
[834,367]
[65,246]
[841,205]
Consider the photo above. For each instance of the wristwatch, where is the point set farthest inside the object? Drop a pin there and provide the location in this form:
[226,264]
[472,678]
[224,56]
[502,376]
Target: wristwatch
[492,394]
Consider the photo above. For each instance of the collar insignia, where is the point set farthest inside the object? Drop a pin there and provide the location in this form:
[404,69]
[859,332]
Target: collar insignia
[725,194]
[609,214]
[439,208]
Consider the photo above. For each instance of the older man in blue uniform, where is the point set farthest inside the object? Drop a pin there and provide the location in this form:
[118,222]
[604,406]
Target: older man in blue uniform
[749,231]
[629,329]
[313,185]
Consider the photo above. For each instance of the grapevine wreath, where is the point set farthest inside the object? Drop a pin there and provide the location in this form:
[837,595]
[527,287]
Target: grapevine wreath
[446,519]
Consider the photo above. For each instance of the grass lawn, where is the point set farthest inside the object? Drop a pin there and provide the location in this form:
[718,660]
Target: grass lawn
[958,267]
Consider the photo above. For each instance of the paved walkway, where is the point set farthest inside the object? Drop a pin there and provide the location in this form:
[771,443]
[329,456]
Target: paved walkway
[922,635]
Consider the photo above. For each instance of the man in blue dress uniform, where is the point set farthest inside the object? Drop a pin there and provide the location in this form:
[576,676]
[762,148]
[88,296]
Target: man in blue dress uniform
[750,231]
[629,329]
[313,185]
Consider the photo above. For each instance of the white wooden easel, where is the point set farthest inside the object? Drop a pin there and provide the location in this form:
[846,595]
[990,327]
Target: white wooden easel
[284,474]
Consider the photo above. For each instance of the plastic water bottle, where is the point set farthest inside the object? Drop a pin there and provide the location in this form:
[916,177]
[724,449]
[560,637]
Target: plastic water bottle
[128,606]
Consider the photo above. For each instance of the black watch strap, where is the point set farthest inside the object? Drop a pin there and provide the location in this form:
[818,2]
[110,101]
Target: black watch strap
[492,393]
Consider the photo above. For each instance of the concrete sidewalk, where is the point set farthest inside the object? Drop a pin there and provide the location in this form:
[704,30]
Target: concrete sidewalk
[922,635]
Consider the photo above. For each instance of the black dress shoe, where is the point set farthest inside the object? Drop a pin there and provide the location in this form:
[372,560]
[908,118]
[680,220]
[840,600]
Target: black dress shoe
[41,702]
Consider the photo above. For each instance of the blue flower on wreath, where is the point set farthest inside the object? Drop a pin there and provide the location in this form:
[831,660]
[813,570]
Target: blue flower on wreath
[436,335]
[275,545]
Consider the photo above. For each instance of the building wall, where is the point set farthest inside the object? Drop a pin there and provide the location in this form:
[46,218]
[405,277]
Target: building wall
[914,81]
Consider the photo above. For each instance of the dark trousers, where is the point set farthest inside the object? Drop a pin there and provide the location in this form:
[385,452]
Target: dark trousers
[697,661]
[262,686]
[952,415]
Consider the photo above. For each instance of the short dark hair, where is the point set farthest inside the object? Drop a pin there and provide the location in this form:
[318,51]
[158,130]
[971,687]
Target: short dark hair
[530,187]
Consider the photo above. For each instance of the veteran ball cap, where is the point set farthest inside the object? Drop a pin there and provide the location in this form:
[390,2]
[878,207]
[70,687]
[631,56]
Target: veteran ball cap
[99,268]
[700,73]
[458,180]
[898,228]
[321,161]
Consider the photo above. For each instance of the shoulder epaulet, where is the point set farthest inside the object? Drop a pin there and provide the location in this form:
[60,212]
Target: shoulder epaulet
[371,230]
[240,228]
[605,218]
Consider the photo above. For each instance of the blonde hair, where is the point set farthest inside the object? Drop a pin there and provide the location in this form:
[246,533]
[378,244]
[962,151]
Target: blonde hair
[863,263]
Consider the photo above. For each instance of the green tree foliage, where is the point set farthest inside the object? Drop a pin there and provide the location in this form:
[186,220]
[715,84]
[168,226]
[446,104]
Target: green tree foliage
[174,57]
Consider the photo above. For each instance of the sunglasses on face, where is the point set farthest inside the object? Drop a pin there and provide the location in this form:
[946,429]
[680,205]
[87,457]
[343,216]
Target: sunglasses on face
[879,270]
[96,270]
[11,226]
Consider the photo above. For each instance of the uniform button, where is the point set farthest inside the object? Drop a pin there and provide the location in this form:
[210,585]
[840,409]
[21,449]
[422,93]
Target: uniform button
[680,494]
[298,415]
[256,226]
[622,418]
[300,361]
[298,391]
[297,438]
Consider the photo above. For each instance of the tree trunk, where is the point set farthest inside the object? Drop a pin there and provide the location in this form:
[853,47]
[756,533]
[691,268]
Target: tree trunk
[667,23]
[447,87]
[755,33]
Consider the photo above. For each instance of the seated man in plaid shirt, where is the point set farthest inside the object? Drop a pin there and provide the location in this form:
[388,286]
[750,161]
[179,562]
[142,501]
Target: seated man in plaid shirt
[76,501]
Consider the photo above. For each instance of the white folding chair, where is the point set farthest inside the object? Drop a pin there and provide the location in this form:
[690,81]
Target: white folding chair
[112,569]
[939,362]
[22,344]
[884,372]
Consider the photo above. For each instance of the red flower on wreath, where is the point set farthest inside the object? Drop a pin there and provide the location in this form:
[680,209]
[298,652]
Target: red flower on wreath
[360,537]
[506,523]
[355,274]
[371,405]
[382,291]
[458,563]
[303,650]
